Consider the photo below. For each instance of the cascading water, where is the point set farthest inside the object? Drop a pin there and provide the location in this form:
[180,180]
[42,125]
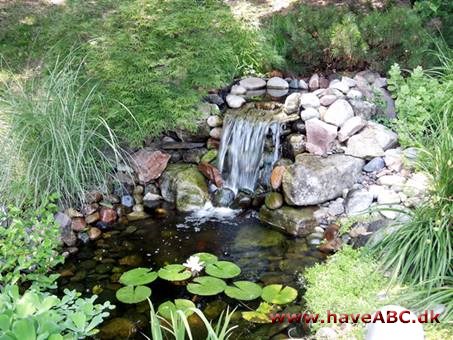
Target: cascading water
[245,156]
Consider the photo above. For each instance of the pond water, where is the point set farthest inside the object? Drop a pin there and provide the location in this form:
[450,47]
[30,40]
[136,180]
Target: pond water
[265,256]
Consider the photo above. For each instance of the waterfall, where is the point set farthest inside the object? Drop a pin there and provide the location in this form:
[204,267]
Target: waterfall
[245,156]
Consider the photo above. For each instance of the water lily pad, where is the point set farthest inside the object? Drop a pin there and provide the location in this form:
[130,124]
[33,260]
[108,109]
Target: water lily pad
[260,315]
[223,269]
[138,276]
[168,308]
[278,294]
[174,272]
[133,294]
[243,290]
[206,286]
[207,258]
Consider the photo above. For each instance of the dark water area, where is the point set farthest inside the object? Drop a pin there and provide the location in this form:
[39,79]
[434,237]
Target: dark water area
[264,255]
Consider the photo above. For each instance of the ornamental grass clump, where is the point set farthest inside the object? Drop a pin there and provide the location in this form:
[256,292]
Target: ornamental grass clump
[50,142]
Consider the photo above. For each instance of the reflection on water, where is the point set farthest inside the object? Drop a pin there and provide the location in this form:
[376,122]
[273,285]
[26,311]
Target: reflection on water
[265,256]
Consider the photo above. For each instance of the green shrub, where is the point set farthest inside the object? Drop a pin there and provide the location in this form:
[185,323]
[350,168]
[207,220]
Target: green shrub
[29,246]
[37,315]
[348,282]
[331,37]
[50,142]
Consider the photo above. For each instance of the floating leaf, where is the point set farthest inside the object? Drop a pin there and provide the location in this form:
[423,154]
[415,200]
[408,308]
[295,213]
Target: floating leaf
[276,294]
[138,276]
[206,286]
[223,269]
[174,272]
[244,290]
[133,294]
[168,308]
[260,315]
[206,258]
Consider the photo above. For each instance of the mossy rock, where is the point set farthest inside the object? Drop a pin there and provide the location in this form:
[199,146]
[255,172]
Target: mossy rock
[184,185]
[274,200]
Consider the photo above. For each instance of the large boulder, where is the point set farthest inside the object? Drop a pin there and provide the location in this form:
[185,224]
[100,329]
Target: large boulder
[320,136]
[293,221]
[371,142]
[184,185]
[314,179]
[149,164]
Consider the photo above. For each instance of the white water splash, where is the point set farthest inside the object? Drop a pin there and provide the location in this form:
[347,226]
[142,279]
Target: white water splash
[209,213]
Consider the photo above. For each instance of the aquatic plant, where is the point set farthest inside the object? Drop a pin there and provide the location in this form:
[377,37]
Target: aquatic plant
[206,286]
[174,272]
[243,290]
[278,294]
[206,258]
[194,264]
[223,269]
[138,276]
[178,326]
[133,294]
[260,315]
[168,308]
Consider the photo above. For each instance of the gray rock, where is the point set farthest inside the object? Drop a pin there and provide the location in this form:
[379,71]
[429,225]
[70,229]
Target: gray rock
[194,155]
[372,141]
[309,113]
[309,100]
[354,94]
[364,109]
[358,201]
[387,196]
[253,83]
[380,82]
[391,180]
[348,81]
[393,159]
[277,83]
[215,99]
[320,136]
[328,99]
[292,103]
[339,85]
[277,93]
[234,101]
[376,164]
[326,333]
[223,197]
[351,127]
[127,201]
[314,179]
[184,185]
[294,221]
[336,207]
[214,121]
[238,90]
[313,83]
[216,133]
[298,84]
[297,143]
[338,113]
[389,110]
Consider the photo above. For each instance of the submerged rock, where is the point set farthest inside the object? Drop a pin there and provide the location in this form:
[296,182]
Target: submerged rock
[121,328]
[314,179]
[294,221]
[184,185]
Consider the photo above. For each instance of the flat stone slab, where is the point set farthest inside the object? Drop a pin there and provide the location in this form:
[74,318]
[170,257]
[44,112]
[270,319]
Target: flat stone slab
[293,221]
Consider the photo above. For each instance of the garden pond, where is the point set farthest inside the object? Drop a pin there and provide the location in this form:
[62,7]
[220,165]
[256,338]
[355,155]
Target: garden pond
[265,256]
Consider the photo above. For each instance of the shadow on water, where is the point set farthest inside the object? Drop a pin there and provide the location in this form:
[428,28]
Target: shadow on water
[265,256]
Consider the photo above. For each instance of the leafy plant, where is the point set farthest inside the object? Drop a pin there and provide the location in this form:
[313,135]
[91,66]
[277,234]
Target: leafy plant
[223,269]
[37,315]
[277,294]
[51,143]
[30,242]
[206,286]
[243,290]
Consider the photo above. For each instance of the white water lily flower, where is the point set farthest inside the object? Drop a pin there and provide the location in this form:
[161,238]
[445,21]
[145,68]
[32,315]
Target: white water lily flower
[194,264]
